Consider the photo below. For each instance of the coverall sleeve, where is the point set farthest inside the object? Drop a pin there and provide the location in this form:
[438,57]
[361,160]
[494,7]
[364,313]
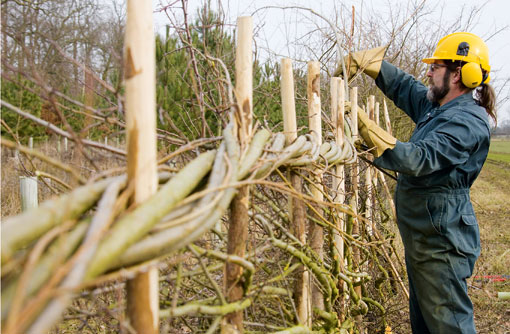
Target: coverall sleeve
[404,90]
[449,144]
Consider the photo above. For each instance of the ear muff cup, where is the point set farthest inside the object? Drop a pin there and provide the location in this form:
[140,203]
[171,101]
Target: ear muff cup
[471,75]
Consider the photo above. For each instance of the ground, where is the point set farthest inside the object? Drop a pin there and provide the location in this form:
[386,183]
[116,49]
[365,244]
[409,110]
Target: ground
[490,195]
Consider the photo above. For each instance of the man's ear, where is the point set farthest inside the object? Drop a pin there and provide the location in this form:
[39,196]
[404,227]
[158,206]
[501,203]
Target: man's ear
[456,76]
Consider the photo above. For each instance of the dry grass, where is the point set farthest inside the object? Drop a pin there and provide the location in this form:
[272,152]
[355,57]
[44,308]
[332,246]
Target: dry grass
[490,195]
[13,168]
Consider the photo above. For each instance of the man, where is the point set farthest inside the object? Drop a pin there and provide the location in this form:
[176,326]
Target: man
[436,169]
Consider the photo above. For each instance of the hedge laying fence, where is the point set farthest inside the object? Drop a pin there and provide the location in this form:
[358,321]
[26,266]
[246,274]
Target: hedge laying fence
[267,232]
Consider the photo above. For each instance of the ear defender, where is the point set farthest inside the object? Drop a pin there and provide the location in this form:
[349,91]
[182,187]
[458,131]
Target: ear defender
[471,75]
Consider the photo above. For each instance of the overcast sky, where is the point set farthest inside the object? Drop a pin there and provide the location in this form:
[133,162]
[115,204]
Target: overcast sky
[274,27]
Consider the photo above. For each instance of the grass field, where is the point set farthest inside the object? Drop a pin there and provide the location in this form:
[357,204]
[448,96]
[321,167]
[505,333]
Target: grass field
[490,195]
[500,150]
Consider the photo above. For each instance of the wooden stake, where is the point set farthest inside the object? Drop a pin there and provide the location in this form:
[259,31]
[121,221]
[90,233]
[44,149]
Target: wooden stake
[386,117]
[139,63]
[368,176]
[375,179]
[244,70]
[315,124]
[288,102]
[355,191]
[337,116]
[88,89]
[238,225]
[387,122]
[302,295]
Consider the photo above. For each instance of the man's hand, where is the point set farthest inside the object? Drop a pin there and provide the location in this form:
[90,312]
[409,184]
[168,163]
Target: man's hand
[368,61]
[373,135]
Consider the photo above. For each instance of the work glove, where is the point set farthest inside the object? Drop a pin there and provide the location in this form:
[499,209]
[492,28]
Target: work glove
[374,136]
[368,61]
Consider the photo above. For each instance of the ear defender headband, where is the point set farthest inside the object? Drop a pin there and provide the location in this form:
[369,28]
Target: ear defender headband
[471,73]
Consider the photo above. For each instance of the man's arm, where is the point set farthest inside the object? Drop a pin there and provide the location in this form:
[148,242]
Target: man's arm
[450,144]
[404,90]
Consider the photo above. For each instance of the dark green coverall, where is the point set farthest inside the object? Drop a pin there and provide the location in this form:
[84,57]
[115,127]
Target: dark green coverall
[434,213]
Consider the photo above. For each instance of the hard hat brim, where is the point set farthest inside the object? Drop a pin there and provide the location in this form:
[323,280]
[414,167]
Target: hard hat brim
[430,60]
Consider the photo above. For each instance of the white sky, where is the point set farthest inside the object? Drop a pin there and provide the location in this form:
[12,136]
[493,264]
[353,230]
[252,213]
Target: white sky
[272,33]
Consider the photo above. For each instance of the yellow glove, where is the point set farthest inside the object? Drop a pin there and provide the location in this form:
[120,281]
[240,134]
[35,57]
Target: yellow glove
[368,61]
[373,135]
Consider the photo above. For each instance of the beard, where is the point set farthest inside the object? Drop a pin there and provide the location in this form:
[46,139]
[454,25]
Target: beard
[436,93]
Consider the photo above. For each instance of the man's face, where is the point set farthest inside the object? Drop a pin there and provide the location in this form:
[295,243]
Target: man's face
[439,82]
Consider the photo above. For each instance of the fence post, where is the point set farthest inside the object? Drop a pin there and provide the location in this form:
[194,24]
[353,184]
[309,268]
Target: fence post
[381,175]
[297,211]
[386,117]
[355,192]
[238,225]
[375,180]
[315,124]
[142,291]
[28,192]
[337,117]
[31,143]
[368,176]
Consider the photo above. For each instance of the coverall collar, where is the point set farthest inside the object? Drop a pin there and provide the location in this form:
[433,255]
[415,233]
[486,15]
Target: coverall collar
[456,101]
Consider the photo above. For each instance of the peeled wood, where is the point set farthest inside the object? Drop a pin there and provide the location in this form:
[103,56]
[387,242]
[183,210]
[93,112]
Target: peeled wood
[338,114]
[136,224]
[140,78]
[315,124]
[387,121]
[375,180]
[368,176]
[19,231]
[244,77]
[355,191]
[297,211]
[238,223]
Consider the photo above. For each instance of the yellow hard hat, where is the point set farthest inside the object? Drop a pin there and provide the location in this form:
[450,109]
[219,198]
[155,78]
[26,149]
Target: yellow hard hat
[469,48]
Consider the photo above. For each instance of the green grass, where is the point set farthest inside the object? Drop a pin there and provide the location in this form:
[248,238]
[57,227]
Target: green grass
[500,150]
[500,145]
[503,157]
